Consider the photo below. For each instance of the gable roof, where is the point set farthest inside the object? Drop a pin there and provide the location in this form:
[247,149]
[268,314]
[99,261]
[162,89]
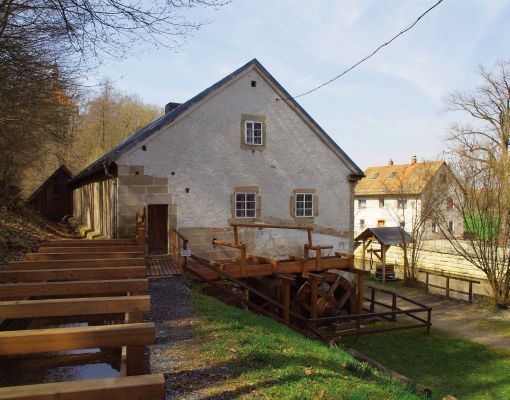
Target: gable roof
[387,235]
[147,131]
[62,169]
[408,179]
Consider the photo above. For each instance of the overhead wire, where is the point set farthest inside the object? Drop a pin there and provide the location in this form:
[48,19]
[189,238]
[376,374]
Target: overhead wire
[409,27]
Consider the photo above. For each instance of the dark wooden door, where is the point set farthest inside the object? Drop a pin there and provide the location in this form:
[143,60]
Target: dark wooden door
[157,229]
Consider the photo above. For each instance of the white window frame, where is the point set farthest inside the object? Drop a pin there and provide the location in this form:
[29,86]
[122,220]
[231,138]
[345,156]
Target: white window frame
[244,210]
[246,138]
[434,227]
[307,211]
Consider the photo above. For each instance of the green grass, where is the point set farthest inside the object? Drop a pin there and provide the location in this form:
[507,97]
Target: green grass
[268,360]
[496,326]
[445,363]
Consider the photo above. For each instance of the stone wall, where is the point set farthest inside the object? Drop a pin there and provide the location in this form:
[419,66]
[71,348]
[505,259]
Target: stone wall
[439,256]
[136,191]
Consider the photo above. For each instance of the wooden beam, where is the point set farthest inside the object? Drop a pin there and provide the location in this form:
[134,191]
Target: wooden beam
[275,226]
[33,341]
[81,256]
[72,288]
[226,244]
[79,274]
[147,387]
[90,243]
[92,249]
[73,264]
[285,267]
[73,306]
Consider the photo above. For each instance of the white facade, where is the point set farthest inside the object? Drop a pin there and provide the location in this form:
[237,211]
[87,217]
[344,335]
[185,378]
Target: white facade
[203,156]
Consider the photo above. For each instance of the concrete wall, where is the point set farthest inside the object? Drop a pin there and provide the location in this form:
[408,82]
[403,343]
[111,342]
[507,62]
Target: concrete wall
[92,208]
[202,156]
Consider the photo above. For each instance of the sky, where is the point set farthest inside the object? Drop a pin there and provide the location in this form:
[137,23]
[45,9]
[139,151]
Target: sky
[391,106]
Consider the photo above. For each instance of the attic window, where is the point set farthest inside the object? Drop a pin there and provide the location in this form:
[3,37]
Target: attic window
[253,83]
[253,132]
[392,175]
[144,148]
[375,175]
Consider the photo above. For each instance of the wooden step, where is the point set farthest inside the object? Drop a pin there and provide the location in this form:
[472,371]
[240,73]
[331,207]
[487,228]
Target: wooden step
[146,387]
[32,341]
[92,249]
[91,243]
[73,306]
[72,288]
[73,264]
[82,256]
[79,274]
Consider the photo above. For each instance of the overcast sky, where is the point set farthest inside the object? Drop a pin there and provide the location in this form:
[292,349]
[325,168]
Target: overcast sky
[389,107]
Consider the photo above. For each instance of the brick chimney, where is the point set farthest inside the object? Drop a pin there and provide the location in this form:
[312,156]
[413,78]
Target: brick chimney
[170,106]
[413,160]
[391,162]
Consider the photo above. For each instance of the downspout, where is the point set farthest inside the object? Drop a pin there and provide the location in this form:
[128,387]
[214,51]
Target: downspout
[113,197]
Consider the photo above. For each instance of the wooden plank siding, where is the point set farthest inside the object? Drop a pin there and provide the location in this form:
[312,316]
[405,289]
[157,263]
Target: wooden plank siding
[73,264]
[81,256]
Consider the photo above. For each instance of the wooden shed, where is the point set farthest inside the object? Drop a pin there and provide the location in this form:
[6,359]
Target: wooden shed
[53,198]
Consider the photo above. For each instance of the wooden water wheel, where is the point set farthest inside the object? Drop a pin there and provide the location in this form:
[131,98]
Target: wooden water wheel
[336,296]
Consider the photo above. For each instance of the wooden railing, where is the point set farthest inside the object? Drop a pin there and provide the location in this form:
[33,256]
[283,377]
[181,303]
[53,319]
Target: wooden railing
[179,243]
[447,287]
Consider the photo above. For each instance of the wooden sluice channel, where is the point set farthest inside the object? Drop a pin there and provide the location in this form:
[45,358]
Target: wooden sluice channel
[98,286]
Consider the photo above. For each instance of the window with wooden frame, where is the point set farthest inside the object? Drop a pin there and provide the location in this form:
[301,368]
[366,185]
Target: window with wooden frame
[362,203]
[253,133]
[435,228]
[449,203]
[451,226]
[304,205]
[381,202]
[245,205]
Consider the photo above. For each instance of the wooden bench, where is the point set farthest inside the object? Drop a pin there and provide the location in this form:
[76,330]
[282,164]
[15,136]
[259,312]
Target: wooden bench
[72,264]
[82,256]
[74,306]
[132,336]
[92,249]
[80,274]
[72,288]
[90,243]
[147,387]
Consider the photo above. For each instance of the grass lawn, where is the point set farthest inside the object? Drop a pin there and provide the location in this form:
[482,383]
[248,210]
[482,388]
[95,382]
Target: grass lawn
[265,359]
[499,327]
[445,363]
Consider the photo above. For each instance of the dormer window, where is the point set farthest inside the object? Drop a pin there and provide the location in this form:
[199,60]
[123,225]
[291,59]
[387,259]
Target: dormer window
[392,175]
[375,175]
[253,133]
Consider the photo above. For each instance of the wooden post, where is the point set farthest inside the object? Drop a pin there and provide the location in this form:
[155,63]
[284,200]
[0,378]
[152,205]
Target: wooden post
[372,299]
[429,318]
[286,300]
[236,235]
[318,256]
[314,293]
[364,248]
[447,287]
[309,233]
[174,244]
[426,282]
[394,306]
[184,247]
[383,259]
[361,292]
[306,252]
[470,291]
[243,260]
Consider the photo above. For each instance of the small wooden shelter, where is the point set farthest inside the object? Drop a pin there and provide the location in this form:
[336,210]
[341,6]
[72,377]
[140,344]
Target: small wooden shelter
[386,237]
[53,198]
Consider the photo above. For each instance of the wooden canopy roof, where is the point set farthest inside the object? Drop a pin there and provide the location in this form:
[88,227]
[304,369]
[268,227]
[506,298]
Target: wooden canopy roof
[387,235]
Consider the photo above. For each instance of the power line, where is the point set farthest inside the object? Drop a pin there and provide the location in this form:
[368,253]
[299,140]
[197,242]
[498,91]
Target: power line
[367,57]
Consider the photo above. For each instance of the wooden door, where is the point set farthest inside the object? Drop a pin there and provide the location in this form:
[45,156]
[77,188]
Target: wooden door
[157,228]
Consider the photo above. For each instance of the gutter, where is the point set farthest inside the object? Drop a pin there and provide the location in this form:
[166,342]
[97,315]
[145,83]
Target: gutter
[113,197]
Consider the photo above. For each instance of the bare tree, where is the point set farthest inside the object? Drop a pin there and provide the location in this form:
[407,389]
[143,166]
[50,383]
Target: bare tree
[416,194]
[480,153]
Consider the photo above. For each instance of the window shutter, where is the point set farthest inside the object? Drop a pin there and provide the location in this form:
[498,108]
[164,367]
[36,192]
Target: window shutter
[292,206]
[258,211]
[315,205]
[233,205]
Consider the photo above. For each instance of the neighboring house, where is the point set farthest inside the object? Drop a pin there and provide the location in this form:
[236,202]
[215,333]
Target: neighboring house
[241,150]
[399,195]
[53,198]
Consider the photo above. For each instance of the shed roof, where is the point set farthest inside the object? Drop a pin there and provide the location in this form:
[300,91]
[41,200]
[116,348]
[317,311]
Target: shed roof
[403,179]
[169,117]
[62,169]
[387,235]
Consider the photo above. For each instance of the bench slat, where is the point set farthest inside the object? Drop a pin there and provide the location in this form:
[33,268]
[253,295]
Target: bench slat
[74,306]
[72,288]
[33,341]
[92,249]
